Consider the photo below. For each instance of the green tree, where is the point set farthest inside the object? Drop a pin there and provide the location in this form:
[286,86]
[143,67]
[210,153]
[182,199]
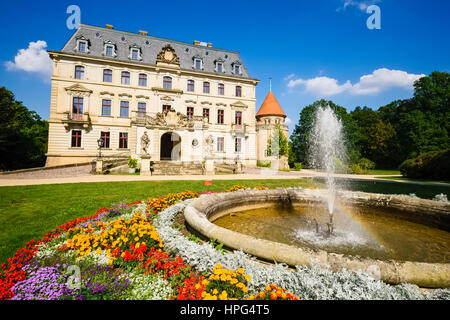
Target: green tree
[23,134]
[376,137]
[302,130]
[278,138]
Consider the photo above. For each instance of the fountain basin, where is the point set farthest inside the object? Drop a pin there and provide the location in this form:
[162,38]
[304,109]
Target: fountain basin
[203,211]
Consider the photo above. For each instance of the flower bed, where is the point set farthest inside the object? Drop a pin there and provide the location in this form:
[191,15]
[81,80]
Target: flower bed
[116,253]
[132,251]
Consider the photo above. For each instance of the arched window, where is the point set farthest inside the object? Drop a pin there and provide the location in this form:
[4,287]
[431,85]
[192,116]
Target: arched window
[221,89]
[238,91]
[125,77]
[79,72]
[190,85]
[167,83]
[107,75]
[142,80]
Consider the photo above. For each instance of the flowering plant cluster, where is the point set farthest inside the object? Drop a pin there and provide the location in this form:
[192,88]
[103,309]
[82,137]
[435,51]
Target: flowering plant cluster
[119,254]
[272,292]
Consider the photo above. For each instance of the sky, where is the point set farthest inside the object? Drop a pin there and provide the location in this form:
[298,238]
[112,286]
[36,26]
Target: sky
[312,49]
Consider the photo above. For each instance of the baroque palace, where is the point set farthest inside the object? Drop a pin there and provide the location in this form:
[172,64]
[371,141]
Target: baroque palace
[150,97]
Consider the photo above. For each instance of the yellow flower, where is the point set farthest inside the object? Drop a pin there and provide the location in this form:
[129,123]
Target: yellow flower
[247,277]
[240,271]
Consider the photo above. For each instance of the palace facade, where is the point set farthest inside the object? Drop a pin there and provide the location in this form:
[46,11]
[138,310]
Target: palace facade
[144,95]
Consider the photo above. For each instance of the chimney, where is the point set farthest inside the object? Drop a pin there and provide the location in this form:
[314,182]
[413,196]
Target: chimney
[196,42]
[109,26]
[209,45]
[143,33]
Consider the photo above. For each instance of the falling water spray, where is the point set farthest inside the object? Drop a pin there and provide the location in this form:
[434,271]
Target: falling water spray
[327,149]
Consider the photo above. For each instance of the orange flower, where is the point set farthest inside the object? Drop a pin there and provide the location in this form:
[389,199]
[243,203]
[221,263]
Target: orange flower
[273,296]
[262,294]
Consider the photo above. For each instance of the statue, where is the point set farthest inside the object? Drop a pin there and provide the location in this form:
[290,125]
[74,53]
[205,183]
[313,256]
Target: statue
[145,140]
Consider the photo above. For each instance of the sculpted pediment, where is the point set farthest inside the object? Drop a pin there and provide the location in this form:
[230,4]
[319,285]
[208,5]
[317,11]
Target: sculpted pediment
[239,104]
[169,119]
[78,89]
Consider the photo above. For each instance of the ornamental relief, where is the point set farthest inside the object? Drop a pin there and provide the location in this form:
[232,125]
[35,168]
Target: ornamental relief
[168,55]
[170,119]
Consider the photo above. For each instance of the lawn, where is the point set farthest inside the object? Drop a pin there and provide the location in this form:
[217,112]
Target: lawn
[379,172]
[415,180]
[28,212]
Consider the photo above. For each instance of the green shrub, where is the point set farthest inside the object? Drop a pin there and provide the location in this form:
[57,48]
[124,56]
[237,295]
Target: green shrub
[430,165]
[263,164]
[298,166]
[356,169]
[339,166]
[132,162]
[366,164]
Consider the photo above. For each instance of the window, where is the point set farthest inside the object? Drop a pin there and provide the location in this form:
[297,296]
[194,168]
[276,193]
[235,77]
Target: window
[79,72]
[190,85]
[237,144]
[206,113]
[205,87]
[109,50]
[123,140]
[220,144]
[77,107]
[124,108]
[219,67]
[142,109]
[238,118]
[221,89]
[106,138]
[237,69]
[106,107]
[135,54]
[76,139]
[167,83]
[197,64]
[220,116]
[142,80]
[165,108]
[238,91]
[107,75]
[190,113]
[125,77]
[82,46]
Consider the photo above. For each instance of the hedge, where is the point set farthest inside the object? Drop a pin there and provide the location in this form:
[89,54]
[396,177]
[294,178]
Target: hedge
[430,165]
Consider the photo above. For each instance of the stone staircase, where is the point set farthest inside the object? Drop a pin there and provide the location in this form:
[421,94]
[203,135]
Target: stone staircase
[171,168]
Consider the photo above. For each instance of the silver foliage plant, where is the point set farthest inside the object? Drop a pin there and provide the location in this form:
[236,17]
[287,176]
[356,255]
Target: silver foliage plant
[307,283]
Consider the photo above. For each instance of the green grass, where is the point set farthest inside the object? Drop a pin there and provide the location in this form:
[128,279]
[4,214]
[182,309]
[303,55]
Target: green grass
[29,212]
[415,180]
[384,172]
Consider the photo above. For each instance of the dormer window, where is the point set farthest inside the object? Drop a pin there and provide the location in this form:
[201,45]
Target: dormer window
[109,49]
[82,45]
[237,68]
[135,53]
[220,65]
[198,63]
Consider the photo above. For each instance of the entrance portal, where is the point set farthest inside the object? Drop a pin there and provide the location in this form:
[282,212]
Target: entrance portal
[170,147]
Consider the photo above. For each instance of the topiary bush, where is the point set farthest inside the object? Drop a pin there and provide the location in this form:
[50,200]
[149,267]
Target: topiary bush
[430,165]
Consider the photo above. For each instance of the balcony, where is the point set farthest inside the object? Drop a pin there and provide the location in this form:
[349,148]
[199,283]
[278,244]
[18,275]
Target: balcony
[76,118]
[138,117]
[239,130]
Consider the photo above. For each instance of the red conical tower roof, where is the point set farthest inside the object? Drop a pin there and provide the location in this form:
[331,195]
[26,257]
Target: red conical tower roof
[270,107]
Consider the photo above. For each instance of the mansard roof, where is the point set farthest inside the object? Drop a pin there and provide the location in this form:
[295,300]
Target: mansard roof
[150,48]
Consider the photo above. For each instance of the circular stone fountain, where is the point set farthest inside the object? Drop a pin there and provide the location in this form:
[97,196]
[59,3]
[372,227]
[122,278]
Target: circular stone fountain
[399,239]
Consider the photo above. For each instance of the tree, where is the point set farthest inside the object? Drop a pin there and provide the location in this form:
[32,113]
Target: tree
[23,134]
[376,139]
[301,133]
[278,144]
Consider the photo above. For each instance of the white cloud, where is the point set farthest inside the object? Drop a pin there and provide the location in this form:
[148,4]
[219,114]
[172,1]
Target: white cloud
[34,59]
[361,4]
[371,84]
[287,121]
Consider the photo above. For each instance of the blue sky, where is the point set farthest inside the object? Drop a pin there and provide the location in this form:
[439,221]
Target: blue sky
[310,49]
